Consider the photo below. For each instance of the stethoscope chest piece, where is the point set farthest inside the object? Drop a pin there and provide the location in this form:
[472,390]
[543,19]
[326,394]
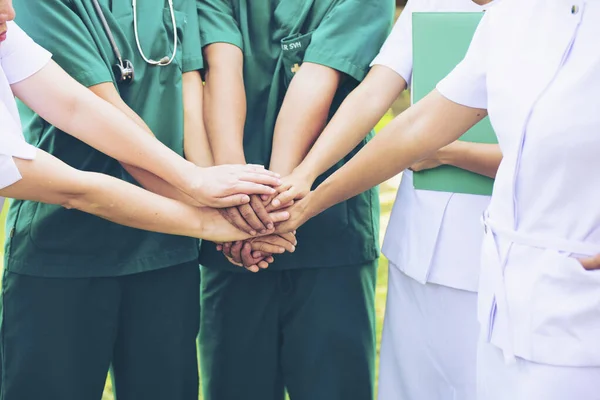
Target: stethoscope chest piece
[124,71]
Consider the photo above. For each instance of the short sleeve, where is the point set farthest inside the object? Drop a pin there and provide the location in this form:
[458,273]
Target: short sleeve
[20,56]
[350,35]
[466,84]
[57,26]
[396,52]
[192,47]
[217,23]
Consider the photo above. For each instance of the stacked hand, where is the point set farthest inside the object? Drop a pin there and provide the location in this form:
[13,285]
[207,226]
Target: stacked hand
[254,219]
[231,185]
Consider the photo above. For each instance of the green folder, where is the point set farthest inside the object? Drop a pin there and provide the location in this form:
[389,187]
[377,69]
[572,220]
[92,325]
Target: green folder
[440,42]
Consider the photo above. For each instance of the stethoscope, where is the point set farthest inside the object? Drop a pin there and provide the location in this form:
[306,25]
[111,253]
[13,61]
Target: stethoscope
[124,69]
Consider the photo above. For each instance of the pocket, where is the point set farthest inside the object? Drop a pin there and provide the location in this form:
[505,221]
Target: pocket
[293,49]
[565,319]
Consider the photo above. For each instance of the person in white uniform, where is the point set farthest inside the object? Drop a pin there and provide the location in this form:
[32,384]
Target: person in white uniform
[535,68]
[28,173]
[433,239]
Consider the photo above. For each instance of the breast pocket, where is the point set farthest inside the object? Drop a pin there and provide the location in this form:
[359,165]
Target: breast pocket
[293,49]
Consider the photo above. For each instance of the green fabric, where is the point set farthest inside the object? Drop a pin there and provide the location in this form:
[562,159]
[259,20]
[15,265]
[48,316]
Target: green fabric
[441,41]
[310,331]
[276,35]
[59,336]
[51,241]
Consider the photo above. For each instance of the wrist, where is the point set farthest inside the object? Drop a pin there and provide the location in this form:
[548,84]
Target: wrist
[447,155]
[306,173]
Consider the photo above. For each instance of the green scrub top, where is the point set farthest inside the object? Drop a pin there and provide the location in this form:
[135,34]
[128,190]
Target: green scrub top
[276,36]
[47,240]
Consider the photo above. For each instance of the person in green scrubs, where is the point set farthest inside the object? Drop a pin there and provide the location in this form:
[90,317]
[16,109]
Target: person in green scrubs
[275,73]
[80,293]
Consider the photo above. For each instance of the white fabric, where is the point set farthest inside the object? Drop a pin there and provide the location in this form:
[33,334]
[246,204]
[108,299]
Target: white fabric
[432,236]
[536,67]
[20,58]
[429,342]
[527,380]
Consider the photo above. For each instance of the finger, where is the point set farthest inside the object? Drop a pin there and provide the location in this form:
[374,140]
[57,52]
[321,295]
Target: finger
[270,208]
[265,197]
[236,251]
[252,219]
[290,237]
[236,219]
[233,200]
[265,247]
[284,198]
[263,264]
[250,188]
[219,247]
[261,212]
[253,268]
[260,169]
[246,254]
[262,178]
[270,259]
[227,249]
[279,216]
[591,263]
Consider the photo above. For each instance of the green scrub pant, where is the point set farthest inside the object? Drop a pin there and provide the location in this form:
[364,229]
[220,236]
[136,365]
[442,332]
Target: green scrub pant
[308,331]
[58,337]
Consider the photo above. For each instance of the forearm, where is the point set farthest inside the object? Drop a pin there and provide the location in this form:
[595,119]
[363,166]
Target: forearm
[303,115]
[225,103]
[196,146]
[47,179]
[74,109]
[353,121]
[481,158]
[425,127]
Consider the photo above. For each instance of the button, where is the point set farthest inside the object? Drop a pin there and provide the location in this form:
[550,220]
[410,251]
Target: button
[574,9]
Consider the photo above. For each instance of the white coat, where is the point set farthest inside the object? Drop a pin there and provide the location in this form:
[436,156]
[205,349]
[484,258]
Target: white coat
[535,66]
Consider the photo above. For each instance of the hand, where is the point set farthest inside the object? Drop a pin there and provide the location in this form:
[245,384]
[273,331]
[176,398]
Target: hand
[441,157]
[591,263]
[240,254]
[218,229]
[261,250]
[230,185]
[251,218]
[293,187]
[299,214]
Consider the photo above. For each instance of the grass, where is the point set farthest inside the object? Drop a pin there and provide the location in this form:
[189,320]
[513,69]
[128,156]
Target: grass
[388,191]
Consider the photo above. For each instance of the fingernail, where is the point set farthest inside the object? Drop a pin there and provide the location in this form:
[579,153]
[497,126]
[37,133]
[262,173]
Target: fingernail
[281,250]
[293,249]
[276,203]
[263,231]
[270,226]
[253,233]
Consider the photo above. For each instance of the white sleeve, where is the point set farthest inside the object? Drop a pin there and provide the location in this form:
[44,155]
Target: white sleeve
[20,56]
[396,52]
[466,84]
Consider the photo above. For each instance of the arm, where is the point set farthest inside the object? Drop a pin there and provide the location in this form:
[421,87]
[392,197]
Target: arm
[49,180]
[72,108]
[196,146]
[353,121]
[481,158]
[225,102]
[148,180]
[428,125]
[303,115]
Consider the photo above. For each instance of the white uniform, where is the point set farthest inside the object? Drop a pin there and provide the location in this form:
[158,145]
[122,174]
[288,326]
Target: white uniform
[20,58]
[535,65]
[433,242]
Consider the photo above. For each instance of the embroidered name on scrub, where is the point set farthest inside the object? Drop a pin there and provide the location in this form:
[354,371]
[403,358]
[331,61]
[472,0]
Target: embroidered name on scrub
[291,46]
